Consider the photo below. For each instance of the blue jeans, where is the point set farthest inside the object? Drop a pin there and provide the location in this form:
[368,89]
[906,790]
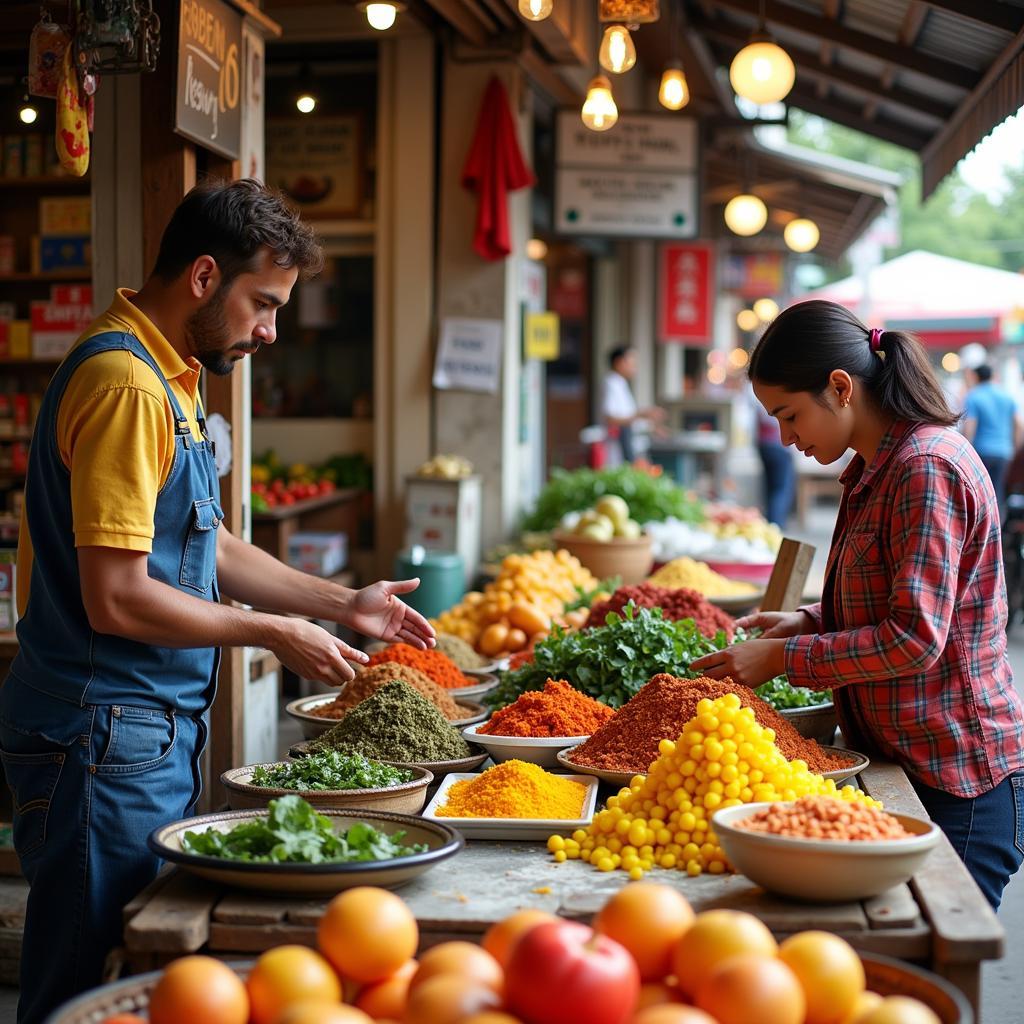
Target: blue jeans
[997,467]
[986,831]
[779,482]
[82,812]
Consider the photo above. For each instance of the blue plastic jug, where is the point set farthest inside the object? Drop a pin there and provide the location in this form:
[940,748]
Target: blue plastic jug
[441,577]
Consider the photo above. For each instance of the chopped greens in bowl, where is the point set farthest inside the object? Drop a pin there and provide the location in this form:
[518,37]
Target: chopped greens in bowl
[329,770]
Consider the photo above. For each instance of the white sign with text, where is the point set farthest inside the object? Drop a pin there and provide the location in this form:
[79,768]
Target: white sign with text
[469,355]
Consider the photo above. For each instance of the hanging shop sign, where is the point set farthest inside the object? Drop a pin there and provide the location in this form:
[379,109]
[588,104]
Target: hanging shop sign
[755,274]
[540,336]
[469,355]
[638,180]
[686,286]
[208,106]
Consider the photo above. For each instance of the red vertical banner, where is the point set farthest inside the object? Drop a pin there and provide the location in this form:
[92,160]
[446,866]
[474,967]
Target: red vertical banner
[686,283]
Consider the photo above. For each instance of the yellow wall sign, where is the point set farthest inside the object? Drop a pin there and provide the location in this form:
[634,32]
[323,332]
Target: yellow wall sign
[541,332]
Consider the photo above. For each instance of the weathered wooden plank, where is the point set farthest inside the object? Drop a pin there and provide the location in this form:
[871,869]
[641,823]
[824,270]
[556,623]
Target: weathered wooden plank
[966,931]
[246,938]
[245,908]
[13,898]
[133,906]
[176,919]
[895,908]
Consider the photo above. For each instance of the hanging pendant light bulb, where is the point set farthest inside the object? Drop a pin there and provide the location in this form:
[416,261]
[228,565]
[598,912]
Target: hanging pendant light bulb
[766,310]
[381,16]
[617,53]
[673,93]
[801,234]
[599,112]
[535,10]
[745,214]
[27,114]
[762,71]
[747,320]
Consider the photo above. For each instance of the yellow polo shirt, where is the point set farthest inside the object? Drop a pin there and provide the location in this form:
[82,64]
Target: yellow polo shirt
[115,433]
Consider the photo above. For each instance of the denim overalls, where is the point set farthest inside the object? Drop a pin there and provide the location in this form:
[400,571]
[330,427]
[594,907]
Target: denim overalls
[100,736]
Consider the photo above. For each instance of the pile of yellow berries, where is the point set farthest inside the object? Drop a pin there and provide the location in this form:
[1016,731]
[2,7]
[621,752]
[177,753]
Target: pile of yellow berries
[518,605]
[724,757]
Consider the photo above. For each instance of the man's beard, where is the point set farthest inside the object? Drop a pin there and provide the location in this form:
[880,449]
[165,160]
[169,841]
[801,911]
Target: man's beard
[207,330]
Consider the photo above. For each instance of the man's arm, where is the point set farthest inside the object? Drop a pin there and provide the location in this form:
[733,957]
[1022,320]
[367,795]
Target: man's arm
[122,599]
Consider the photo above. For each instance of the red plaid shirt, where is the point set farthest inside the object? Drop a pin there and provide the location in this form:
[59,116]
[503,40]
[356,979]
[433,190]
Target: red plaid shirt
[912,622]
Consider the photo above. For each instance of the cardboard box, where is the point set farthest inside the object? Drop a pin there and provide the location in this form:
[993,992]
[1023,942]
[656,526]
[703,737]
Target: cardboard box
[56,327]
[20,339]
[71,294]
[65,215]
[66,252]
[319,553]
[445,515]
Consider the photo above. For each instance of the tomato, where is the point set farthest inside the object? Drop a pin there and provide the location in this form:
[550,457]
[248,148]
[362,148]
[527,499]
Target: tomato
[752,987]
[466,959]
[287,499]
[829,972]
[499,939]
[326,486]
[565,973]
[367,933]
[648,919]
[200,990]
[286,975]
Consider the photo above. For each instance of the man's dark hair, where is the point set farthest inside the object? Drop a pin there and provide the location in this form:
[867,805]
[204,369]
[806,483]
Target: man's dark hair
[983,373]
[617,353]
[231,221]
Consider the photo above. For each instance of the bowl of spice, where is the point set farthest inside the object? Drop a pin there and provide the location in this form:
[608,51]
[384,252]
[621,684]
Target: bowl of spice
[823,849]
[317,714]
[436,666]
[627,744]
[513,800]
[540,723]
[330,779]
[398,725]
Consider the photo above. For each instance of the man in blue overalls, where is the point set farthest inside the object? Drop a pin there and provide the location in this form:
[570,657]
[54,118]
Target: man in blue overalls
[122,561]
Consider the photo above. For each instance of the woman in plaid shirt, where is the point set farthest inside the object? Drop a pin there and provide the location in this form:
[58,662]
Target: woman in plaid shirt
[910,633]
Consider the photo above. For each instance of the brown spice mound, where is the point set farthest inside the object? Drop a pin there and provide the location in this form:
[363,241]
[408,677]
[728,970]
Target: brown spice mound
[557,710]
[369,680]
[628,742]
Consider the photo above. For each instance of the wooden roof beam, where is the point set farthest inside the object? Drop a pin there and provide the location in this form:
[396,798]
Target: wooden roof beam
[987,12]
[865,43]
[833,10]
[852,117]
[913,21]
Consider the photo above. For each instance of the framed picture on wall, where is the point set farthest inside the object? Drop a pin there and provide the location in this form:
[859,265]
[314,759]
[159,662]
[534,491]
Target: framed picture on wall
[318,163]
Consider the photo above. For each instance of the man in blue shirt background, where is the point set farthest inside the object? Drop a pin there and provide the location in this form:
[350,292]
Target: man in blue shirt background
[993,425]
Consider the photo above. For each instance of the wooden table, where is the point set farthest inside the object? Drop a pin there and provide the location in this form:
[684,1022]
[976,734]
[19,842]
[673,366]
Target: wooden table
[940,920]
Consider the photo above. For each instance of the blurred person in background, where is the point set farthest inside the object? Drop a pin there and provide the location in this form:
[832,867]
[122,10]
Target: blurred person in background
[993,425]
[619,412]
[779,469]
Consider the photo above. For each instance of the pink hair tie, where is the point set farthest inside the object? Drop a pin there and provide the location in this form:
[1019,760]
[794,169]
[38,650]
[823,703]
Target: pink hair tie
[875,341]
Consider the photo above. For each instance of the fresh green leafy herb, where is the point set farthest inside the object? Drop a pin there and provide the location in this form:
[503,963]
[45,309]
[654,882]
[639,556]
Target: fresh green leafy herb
[294,833]
[330,769]
[649,497]
[781,695]
[586,598]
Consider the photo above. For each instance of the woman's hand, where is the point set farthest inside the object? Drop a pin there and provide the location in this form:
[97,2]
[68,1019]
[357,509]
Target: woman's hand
[376,611]
[749,664]
[777,625]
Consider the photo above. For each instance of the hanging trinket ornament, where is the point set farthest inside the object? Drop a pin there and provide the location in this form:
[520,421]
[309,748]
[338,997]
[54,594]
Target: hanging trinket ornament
[116,37]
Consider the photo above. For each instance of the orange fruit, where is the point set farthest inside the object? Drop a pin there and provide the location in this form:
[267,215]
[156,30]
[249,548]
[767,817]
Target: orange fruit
[899,1010]
[656,993]
[752,987]
[286,975]
[491,1017]
[387,998]
[124,1018]
[671,1013]
[864,1002]
[314,1012]
[200,990]
[463,958]
[829,972]
[648,919]
[713,937]
[367,933]
[499,939]
[448,999]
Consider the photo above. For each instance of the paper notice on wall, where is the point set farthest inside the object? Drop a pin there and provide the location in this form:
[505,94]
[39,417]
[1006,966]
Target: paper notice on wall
[469,355]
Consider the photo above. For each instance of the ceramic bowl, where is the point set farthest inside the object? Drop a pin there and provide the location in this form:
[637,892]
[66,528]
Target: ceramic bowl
[436,768]
[402,798]
[840,775]
[315,725]
[822,870]
[540,750]
[816,723]
[630,560]
[619,779]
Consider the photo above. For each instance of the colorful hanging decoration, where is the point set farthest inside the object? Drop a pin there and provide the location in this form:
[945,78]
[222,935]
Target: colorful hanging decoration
[116,37]
[72,121]
[46,48]
[628,12]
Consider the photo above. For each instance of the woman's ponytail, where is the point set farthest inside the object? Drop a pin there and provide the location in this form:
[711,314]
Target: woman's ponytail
[808,340]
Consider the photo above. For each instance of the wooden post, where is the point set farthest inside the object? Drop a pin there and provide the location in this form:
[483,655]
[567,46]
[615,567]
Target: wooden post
[786,586]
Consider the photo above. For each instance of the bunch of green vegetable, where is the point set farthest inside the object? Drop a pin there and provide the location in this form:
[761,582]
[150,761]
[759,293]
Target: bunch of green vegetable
[782,695]
[649,497]
[294,833]
[588,597]
[330,769]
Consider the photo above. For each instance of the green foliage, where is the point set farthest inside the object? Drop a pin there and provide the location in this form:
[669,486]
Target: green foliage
[294,833]
[329,770]
[780,695]
[649,497]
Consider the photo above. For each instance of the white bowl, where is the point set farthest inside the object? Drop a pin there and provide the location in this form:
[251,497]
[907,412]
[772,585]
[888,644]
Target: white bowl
[823,870]
[541,750]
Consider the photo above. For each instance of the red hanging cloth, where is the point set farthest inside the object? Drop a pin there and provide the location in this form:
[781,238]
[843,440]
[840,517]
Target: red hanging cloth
[494,167]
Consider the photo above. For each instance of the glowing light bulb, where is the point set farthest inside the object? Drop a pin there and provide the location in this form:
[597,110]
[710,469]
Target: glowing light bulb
[599,112]
[381,16]
[306,103]
[673,93]
[762,71]
[536,249]
[766,310]
[801,234]
[747,320]
[951,362]
[617,53]
[28,114]
[535,10]
[745,215]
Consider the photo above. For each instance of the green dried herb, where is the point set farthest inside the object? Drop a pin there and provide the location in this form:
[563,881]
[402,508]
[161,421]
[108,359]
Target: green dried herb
[329,770]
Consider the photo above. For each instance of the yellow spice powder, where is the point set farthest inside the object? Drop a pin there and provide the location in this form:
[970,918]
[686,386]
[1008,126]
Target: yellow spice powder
[514,789]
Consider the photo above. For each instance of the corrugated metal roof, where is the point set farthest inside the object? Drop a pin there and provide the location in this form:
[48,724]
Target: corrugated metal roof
[883,18]
[968,42]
